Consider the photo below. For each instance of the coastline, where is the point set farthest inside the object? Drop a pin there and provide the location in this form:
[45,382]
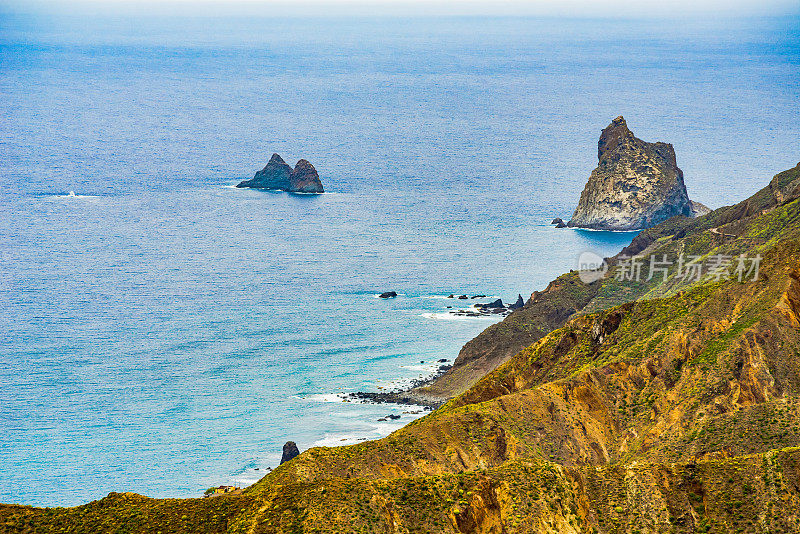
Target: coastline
[406,396]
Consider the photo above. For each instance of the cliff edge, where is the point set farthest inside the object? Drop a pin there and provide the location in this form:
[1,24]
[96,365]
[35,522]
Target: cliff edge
[665,404]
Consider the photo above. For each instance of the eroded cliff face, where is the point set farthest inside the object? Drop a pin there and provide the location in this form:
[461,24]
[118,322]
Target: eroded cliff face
[550,309]
[676,412]
[666,405]
[635,185]
[544,311]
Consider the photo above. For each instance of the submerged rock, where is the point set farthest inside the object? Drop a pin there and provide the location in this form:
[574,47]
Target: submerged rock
[388,295]
[635,185]
[290,451]
[279,176]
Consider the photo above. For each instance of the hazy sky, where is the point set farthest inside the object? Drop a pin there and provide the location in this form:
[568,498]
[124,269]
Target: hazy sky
[581,8]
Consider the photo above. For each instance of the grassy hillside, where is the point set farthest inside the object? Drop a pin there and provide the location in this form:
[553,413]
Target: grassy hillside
[661,405]
[567,295]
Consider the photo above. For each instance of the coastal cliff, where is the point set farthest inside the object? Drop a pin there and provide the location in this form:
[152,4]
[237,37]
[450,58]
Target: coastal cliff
[568,295]
[277,175]
[635,185]
[650,405]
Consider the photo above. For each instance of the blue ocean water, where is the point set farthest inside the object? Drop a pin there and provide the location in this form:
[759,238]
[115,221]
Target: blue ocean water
[162,331]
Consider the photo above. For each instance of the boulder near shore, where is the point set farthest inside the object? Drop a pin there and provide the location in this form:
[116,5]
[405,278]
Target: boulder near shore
[277,175]
[636,184]
[290,451]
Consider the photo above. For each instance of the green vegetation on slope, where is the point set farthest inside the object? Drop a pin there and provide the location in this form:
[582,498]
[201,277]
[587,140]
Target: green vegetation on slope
[669,405]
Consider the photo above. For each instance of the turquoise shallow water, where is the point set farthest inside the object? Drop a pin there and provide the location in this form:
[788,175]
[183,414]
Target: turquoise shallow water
[162,332]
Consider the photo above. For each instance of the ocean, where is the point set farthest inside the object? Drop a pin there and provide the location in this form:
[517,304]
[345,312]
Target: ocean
[163,332]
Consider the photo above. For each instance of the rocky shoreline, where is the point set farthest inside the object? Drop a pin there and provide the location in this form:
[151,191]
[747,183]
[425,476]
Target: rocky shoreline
[406,395]
[413,394]
[496,307]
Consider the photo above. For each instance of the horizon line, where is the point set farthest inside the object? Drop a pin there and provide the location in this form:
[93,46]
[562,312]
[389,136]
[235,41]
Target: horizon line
[578,9]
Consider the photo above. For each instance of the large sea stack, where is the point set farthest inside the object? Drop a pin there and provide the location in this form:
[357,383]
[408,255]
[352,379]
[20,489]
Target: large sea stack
[635,185]
[279,176]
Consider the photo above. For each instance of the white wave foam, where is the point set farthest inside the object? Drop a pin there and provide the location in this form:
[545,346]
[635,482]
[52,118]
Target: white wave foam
[447,316]
[329,398]
[379,430]
[335,440]
[233,186]
[384,429]
[72,194]
[323,397]
[575,228]
[447,297]
[422,368]
[243,481]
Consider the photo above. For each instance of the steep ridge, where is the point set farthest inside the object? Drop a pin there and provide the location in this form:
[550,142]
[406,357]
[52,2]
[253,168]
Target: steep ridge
[543,312]
[669,404]
[567,295]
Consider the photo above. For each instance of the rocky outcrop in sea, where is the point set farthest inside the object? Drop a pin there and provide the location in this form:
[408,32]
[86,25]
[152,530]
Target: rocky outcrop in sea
[304,179]
[484,309]
[290,451]
[636,184]
[277,175]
